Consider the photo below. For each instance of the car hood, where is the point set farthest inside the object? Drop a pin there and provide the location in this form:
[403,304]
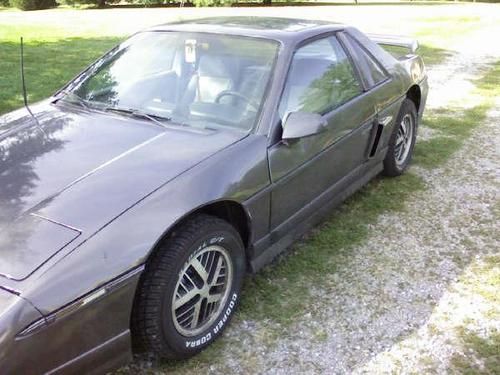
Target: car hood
[72,175]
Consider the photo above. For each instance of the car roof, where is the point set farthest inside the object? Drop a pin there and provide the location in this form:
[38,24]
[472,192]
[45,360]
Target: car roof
[281,29]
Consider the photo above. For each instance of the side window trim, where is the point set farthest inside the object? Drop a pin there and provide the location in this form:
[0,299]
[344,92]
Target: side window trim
[363,76]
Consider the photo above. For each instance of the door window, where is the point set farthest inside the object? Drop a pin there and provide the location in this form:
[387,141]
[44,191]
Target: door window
[320,79]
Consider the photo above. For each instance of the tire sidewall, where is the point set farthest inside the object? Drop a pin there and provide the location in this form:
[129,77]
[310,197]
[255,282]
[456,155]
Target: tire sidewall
[187,346]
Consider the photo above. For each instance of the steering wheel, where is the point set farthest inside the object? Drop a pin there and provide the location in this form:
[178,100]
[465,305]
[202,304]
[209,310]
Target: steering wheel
[236,94]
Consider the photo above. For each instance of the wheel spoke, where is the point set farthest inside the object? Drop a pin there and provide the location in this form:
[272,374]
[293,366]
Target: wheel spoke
[399,141]
[403,129]
[196,314]
[398,146]
[200,270]
[188,278]
[212,298]
[217,272]
[182,300]
[401,151]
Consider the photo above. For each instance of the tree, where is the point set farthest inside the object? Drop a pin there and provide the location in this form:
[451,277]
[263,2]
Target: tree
[99,3]
[32,4]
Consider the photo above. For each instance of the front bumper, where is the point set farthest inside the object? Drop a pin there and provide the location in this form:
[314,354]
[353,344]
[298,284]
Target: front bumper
[90,335]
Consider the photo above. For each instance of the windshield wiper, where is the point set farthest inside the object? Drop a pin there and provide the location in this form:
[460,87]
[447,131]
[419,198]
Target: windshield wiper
[138,113]
[72,98]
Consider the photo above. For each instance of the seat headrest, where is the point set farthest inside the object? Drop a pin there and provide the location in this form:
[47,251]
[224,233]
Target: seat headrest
[214,66]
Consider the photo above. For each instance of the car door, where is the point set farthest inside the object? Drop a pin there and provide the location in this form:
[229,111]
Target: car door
[384,91]
[322,80]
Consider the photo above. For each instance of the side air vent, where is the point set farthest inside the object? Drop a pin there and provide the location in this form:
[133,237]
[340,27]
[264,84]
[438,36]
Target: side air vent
[378,133]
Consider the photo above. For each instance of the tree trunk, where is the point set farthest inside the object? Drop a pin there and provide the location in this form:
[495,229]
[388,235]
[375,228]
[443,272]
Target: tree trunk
[101,3]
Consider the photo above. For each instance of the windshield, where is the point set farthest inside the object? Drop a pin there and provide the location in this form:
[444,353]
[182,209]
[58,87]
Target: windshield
[197,79]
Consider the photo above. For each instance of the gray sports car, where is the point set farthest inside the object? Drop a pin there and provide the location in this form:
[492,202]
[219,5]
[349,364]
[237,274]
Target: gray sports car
[133,201]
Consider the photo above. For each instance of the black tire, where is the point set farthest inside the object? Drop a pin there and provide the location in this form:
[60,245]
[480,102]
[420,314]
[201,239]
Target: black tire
[155,325]
[394,166]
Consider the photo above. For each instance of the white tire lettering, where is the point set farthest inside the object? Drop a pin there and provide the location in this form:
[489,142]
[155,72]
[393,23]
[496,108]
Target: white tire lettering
[205,339]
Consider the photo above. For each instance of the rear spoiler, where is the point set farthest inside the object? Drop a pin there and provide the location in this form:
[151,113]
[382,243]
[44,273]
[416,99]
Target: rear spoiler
[398,41]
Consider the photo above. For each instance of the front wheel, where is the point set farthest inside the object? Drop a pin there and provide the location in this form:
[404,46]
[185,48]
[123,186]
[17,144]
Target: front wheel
[190,288]
[402,141]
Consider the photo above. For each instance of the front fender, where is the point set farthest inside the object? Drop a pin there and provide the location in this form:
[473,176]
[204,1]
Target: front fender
[15,314]
[236,173]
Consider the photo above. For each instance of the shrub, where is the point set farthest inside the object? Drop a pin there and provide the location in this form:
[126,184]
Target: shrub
[212,3]
[98,3]
[32,4]
[4,3]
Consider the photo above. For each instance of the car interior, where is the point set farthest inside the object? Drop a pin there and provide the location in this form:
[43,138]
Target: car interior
[210,86]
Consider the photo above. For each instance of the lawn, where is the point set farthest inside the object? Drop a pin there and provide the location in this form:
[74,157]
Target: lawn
[59,43]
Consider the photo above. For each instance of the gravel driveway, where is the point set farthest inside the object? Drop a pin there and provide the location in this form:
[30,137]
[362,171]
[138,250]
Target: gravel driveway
[406,300]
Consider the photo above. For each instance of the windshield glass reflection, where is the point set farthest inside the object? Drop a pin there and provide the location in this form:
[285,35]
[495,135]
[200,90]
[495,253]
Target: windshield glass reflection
[196,79]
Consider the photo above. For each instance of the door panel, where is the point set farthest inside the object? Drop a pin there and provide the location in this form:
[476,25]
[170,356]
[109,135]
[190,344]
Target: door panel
[321,80]
[303,169]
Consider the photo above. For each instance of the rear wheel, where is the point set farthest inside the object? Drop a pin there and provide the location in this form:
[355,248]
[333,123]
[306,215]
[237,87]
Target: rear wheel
[402,140]
[190,288]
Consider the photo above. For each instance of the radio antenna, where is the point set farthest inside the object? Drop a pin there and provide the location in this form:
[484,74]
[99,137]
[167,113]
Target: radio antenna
[25,96]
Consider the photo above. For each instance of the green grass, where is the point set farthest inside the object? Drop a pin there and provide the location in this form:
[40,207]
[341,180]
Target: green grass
[433,55]
[450,29]
[454,126]
[487,350]
[48,66]
[430,55]
[481,353]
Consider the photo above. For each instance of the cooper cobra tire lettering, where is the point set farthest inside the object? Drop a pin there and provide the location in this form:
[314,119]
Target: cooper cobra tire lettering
[205,339]
[201,341]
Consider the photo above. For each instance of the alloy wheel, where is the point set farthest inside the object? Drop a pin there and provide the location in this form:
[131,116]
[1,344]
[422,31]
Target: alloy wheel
[404,139]
[202,290]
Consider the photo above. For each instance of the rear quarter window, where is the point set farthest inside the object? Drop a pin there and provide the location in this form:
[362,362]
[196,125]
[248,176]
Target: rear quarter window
[376,73]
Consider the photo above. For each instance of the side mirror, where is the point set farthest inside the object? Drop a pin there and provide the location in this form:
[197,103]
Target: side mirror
[302,124]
